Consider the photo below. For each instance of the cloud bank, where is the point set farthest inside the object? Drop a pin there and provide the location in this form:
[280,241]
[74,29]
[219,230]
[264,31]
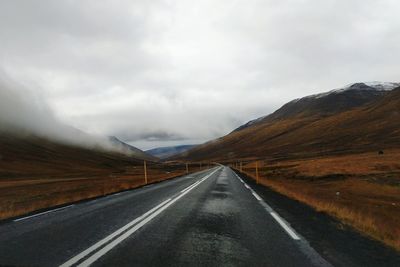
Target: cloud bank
[24,113]
[158,73]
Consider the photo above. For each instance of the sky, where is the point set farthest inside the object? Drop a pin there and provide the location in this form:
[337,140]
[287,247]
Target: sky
[160,73]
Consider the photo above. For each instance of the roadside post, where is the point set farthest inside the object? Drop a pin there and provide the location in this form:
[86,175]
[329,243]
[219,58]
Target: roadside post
[257,172]
[241,167]
[145,172]
[187,168]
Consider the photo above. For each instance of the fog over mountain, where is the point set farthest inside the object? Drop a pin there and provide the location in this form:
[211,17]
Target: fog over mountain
[23,112]
[164,73]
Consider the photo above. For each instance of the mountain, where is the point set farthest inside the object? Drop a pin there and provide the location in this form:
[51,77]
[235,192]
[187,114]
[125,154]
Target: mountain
[24,155]
[358,117]
[131,150]
[169,151]
[27,156]
[329,103]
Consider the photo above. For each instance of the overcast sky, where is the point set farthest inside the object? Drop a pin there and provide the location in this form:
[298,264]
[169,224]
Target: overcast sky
[158,73]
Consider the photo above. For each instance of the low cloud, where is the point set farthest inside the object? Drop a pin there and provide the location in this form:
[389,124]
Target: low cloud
[193,70]
[24,113]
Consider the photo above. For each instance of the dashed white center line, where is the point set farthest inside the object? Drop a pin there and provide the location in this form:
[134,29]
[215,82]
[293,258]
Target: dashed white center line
[285,226]
[256,195]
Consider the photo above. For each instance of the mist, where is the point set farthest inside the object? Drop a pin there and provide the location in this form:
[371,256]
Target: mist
[164,73]
[24,112]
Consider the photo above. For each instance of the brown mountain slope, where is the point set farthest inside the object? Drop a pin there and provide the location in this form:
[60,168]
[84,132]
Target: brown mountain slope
[371,126]
[131,150]
[36,173]
[34,157]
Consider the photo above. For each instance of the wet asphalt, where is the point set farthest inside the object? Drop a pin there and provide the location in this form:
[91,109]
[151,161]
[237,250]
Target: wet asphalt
[216,222]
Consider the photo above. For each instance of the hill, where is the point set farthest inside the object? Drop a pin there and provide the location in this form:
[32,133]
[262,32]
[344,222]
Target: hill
[360,117]
[30,156]
[131,150]
[166,152]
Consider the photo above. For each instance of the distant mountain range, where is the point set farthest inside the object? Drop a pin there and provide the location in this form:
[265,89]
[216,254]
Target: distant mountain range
[131,150]
[166,152]
[358,117]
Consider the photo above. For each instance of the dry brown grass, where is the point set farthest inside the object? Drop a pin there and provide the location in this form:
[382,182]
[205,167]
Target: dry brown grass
[361,190]
[19,196]
[36,173]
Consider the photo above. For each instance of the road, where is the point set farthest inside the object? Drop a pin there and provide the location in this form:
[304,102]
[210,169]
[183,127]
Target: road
[211,218]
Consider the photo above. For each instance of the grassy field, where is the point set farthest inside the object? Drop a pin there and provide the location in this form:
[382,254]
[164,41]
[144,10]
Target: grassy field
[21,196]
[36,173]
[361,190]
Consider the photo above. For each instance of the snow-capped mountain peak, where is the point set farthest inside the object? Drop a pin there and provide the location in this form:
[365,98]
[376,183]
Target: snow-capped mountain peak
[384,86]
[362,86]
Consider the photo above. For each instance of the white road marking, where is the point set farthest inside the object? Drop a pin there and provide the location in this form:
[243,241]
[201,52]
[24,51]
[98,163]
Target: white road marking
[42,213]
[199,181]
[287,228]
[187,188]
[240,179]
[111,245]
[275,215]
[135,224]
[111,236]
[256,195]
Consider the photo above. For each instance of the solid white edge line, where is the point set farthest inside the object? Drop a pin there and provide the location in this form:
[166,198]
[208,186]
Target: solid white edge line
[285,226]
[124,236]
[42,213]
[98,244]
[248,187]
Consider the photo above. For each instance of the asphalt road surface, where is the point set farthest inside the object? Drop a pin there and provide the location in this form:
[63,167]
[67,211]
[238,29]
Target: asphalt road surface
[211,218]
